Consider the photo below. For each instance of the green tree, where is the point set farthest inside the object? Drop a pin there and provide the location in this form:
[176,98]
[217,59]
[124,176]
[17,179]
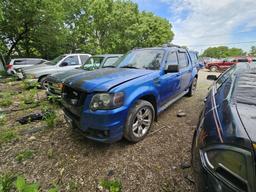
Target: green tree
[252,51]
[222,52]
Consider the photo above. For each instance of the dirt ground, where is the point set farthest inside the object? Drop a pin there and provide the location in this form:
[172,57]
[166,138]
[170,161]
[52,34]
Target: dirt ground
[63,157]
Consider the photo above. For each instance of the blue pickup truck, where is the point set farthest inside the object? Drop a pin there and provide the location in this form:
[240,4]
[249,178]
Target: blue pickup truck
[111,103]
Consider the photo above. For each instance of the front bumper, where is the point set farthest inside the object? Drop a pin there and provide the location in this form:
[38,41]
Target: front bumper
[102,125]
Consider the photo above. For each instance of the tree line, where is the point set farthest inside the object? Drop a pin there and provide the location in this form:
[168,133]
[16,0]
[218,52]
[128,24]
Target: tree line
[48,28]
[224,51]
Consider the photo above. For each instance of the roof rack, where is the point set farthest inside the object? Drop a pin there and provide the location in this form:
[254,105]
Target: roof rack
[171,45]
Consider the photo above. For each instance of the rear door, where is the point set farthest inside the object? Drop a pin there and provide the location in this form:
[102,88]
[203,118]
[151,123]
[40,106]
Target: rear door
[185,67]
[169,82]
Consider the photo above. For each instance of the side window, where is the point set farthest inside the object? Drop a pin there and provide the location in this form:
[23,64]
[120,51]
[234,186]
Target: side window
[183,60]
[84,58]
[20,62]
[72,60]
[110,61]
[172,59]
[243,60]
[34,61]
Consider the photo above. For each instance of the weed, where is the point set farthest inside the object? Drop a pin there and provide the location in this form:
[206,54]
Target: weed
[111,185]
[3,119]
[6,182]
[50,153]
[29,97]
[49,117]
[55,188]
[24,155]
[23,186]
[73,186]
[28,84]
[5,99]
[7,135]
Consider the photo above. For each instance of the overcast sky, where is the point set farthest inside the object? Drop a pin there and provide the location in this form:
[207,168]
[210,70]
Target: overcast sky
[203,23]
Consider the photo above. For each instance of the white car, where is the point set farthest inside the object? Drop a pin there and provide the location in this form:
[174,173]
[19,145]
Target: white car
[62,63]
[19,63]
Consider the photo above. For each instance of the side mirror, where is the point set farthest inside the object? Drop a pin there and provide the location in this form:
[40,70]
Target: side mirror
[63,64]
[172,69]
[212,77]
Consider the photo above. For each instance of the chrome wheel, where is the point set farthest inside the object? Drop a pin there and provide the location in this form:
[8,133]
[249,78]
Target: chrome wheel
[142,122]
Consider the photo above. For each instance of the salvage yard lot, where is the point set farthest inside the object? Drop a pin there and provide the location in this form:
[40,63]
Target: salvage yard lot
[51,154]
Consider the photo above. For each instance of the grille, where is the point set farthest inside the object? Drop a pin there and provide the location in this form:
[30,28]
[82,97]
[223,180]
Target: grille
[73,96]
[53,88]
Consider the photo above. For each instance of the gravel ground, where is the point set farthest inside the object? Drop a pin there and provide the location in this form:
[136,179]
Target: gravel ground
[63,157]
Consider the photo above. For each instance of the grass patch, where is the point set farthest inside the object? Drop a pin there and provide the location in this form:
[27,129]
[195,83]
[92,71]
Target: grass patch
[6,182]
[28,97]
[7,135]
[111,185]
[24,155]
[3,119]
[5,99]
[28,84]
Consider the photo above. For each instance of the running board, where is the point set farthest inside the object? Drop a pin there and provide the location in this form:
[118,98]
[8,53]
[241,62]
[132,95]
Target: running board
[166,105]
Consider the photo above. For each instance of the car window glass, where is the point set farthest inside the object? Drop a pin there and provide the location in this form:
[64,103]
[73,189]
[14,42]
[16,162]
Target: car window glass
[242,60]
[20,62]
[110,61]
[183,60]
[93,63]
[172,59]
[34,61]
[71,60]
[84,58]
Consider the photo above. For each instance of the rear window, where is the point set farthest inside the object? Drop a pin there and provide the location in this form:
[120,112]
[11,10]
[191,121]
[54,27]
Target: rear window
[20,62]
[242,60]
[246,88]
[110,61]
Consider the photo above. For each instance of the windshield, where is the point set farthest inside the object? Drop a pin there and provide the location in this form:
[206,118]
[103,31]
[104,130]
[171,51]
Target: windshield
[142,59]
[55,61]
[92,63]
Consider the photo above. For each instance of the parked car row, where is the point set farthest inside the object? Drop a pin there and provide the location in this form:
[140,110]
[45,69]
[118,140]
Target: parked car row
[222,65]
[110,97]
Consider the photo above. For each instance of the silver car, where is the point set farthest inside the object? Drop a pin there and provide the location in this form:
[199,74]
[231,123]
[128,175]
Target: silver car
[62,63]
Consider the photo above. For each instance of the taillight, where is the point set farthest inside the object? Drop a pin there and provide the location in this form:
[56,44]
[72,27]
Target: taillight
[9,66]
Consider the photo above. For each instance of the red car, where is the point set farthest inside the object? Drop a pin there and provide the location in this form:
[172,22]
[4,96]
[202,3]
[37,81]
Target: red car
[225,64]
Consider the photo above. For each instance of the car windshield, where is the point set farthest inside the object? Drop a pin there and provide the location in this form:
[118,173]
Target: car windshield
[92,63]
[141,59]
[56,60]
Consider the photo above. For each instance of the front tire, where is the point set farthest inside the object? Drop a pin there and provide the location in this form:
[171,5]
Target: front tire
[139,121]
[43,82]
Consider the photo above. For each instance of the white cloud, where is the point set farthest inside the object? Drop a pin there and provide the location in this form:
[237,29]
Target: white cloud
[204,22]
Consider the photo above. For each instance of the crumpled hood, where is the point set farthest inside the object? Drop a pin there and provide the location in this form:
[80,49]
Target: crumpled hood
[104,79]
[61,77]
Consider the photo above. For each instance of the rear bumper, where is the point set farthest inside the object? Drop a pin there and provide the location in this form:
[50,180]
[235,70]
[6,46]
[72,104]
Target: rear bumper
[102,125]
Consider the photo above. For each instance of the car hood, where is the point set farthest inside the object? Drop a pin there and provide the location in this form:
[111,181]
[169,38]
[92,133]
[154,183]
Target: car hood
[247,115]
[104,79]
[61,77]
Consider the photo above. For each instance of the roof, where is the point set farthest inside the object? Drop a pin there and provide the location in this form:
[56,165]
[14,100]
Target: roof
[107,55]
[245,88]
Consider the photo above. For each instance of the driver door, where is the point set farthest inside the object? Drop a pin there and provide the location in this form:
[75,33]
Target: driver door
[169,82]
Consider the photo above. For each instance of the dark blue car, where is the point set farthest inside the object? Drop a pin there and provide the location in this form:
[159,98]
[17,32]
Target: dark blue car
[110,103]
[224,143]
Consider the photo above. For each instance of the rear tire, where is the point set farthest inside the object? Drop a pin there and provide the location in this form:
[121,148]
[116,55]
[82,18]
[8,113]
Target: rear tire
[192,88]
[140,119]
[213,69]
